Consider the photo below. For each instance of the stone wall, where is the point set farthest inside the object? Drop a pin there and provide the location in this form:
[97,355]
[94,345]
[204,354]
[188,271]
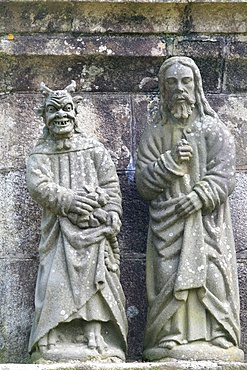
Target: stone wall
[113,50]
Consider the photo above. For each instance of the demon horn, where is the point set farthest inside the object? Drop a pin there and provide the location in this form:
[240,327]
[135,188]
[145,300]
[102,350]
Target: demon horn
[45,90]
[71,88]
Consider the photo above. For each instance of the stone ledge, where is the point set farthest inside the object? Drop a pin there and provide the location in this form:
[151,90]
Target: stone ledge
[110,17]
[173,365]
[132,1]
[83,45]
[198,46]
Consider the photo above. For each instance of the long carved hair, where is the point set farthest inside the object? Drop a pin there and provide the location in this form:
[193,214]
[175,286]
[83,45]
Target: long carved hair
[201,102]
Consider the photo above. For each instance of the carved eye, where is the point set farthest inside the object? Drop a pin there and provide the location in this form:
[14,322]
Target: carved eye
[187,80]
[171,81]
[51,109]
[68,107]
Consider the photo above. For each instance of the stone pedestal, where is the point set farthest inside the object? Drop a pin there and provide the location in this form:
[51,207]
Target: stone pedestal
[175,365]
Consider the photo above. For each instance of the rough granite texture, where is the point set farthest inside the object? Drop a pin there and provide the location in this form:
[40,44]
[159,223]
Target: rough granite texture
[113,50]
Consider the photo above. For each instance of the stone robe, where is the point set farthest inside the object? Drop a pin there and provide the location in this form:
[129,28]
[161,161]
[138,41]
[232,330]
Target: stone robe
[191,267]
[73,279]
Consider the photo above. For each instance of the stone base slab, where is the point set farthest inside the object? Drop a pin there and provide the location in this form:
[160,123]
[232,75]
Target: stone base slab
[198,351]
[172,365]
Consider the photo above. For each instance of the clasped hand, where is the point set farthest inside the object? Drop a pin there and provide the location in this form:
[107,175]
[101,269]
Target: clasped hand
[85,206]
[182,151]
[188,205]
[114,222]
[82,205]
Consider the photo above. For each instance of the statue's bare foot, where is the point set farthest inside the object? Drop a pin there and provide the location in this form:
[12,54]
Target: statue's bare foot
[48,341]
[222,342]
[91,341]
[93,337]
[43,343]
[169,344]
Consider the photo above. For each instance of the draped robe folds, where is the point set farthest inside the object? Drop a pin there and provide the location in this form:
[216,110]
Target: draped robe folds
[73,279]
[190,261]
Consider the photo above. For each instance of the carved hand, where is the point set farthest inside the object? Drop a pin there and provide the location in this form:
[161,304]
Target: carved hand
[188,205]
[82,205]
[182,151]
[113,220]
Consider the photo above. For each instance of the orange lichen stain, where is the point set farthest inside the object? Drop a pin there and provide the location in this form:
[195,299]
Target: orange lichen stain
[11,36]
[161,46]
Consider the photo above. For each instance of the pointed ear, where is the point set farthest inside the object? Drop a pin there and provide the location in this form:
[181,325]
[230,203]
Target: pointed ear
[71,88]
[39,111]
[45,90]
[77,99]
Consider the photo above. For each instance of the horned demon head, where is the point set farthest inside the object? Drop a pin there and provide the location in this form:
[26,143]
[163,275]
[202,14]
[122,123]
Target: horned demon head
[59,110]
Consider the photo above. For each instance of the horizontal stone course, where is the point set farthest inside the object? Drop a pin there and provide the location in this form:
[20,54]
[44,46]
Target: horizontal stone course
[83,45]
[176,365]
[119,16]
[111,63]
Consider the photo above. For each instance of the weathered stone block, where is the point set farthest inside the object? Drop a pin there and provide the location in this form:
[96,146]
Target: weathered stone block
[101,73]
[145,108]
[19,283]
[242,273]
[129,18]
[207,52]
[235,81]
[218,17]
[236,66]
[19,129]
[20,218]
[118,63]
[112,17]
[133,281]
[243,317]
[85,17]
[237,45]
[232,111]
[133,235]
[239,215]
[178,365]
[19,16]
[108,119]
[136,46]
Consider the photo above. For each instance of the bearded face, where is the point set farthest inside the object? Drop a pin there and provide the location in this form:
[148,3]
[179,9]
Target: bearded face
[181,106]
[180,90]
[60,114]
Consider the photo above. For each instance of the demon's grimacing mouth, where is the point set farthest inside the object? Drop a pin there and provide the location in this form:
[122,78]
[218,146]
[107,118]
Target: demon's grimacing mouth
[61,122]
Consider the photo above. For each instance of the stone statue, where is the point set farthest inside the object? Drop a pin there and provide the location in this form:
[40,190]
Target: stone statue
[185,170]
[79,302]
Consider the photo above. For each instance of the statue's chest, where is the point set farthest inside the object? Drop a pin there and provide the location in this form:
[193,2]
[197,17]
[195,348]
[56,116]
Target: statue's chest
[74,170]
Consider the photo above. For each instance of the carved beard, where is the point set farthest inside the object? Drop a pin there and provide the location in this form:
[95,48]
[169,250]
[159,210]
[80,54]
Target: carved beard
[181,109]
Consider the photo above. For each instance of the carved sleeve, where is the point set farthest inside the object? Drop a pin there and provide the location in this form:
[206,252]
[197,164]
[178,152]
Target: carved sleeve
[43,189]
[155,170]
[108,179]
[219,181]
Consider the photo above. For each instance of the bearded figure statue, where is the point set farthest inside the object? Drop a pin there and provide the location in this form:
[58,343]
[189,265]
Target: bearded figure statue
[185,170]
[79,302]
